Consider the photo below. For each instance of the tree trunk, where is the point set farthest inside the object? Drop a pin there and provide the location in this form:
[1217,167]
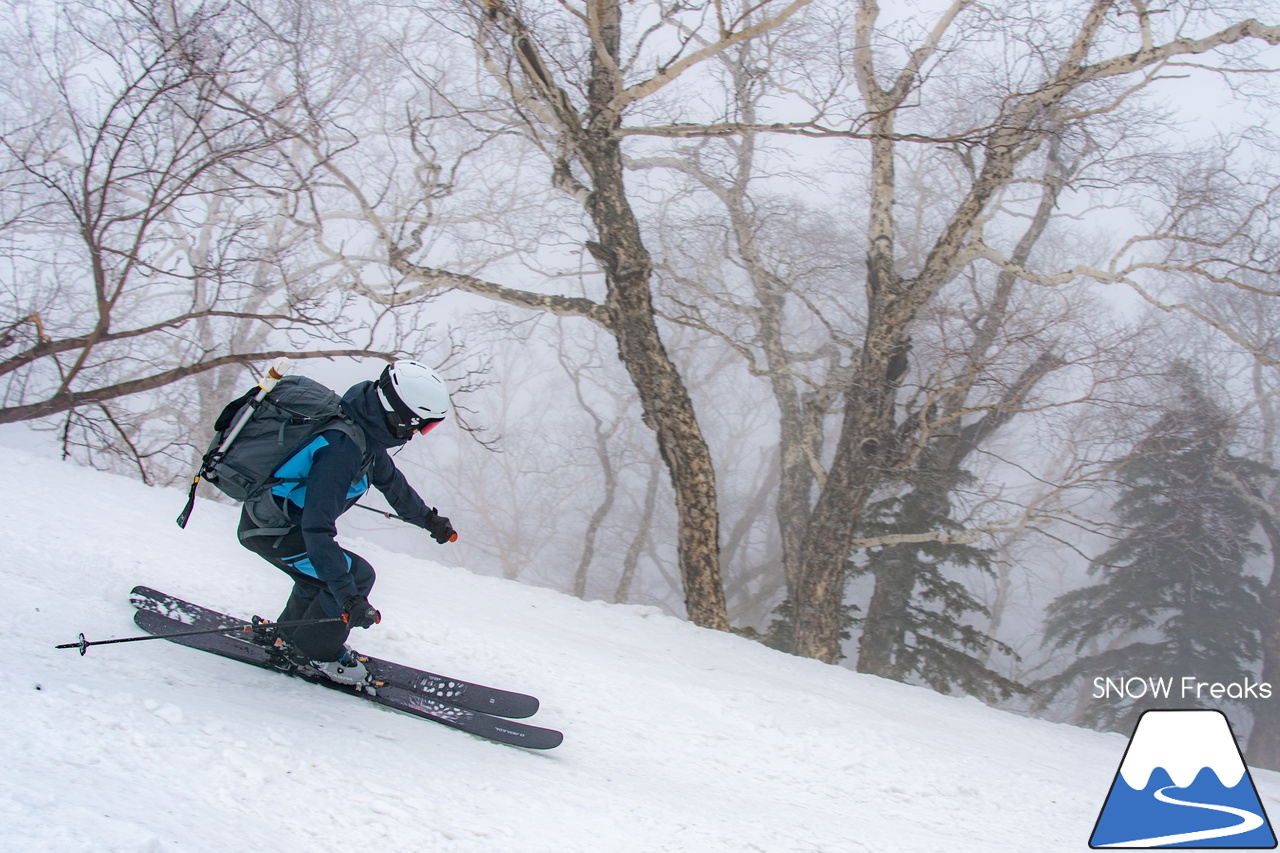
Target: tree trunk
[939,467]
[667,407]
[1264,739]
[622,595]
[882,630]
[664,399]
[592,140]
[864,450]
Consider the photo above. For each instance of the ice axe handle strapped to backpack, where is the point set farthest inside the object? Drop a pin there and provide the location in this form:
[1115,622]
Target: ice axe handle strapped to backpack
[275,373]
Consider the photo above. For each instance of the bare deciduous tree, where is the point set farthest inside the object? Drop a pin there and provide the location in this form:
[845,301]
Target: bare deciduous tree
[137,251]
[1072,72]
[565,77]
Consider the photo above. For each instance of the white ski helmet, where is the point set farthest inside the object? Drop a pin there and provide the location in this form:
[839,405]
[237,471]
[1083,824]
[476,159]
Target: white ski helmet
[413,396]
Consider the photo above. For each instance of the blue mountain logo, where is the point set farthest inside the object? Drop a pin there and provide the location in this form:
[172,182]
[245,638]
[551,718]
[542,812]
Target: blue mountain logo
[1183,783]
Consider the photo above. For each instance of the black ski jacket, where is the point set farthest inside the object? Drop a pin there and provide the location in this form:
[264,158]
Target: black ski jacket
[336,476]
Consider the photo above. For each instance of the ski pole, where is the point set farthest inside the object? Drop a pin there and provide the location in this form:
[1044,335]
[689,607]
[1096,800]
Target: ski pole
[382,512]
[275,373]
[258,623]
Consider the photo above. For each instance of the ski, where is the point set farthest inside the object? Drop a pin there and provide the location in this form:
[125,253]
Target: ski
[389,695]
[454,691]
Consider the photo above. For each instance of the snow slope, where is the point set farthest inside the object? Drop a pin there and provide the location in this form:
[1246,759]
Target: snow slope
[677,739]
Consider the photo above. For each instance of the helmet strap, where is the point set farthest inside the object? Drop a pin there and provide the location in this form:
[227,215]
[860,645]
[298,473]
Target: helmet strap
[387,387]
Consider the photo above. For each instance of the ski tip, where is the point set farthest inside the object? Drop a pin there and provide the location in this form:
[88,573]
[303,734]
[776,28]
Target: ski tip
[515,708]
[550,741]
[529,737]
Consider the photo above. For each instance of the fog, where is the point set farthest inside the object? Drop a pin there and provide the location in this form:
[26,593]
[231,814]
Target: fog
[841,327]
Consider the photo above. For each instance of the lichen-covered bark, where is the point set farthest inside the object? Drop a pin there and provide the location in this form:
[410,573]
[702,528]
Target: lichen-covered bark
[869,443]
[665,402]
[591,141]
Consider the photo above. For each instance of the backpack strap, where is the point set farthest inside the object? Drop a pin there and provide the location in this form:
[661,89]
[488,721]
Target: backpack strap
[345,425]
[271,518]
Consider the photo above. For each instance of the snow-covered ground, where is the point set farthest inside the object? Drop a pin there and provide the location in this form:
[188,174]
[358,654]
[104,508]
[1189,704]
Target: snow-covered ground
[676,739]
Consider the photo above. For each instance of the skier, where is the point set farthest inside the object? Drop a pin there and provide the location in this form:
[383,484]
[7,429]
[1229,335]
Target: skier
[293,524]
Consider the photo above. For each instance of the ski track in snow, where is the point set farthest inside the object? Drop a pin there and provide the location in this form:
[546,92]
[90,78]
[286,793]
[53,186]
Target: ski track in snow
[676,739]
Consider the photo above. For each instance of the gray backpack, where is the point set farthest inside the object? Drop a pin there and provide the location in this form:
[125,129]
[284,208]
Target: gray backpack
[293,413]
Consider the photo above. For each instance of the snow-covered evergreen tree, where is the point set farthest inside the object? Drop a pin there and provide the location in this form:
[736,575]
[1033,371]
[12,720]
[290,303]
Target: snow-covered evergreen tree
[1173,596]
[921,628]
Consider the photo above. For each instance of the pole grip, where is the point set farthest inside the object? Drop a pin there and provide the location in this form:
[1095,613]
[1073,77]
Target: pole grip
[275,373]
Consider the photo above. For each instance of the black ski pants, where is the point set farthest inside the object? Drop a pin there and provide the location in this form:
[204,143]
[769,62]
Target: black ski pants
[310,598]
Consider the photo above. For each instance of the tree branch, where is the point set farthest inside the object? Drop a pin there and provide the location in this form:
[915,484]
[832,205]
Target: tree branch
[432,280]
[66,400]
[634,93]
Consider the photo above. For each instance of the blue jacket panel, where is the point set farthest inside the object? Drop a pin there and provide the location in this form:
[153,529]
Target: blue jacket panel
[332,466]
[298,468]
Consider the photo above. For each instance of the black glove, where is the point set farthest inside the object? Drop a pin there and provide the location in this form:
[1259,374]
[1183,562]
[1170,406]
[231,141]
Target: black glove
[439,527]
[359,613]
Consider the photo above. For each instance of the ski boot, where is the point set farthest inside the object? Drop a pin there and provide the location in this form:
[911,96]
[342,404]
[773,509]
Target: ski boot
[348,669]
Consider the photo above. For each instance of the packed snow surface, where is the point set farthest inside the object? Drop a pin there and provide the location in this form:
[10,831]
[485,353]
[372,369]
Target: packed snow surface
[676,738]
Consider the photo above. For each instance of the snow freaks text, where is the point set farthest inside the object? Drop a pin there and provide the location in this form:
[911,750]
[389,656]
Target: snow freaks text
[1187,687]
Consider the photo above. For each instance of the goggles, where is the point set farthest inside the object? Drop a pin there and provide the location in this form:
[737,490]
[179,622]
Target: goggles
[401,420]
